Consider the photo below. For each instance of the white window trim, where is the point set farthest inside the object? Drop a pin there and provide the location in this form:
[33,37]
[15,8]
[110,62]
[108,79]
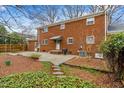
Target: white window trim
[68,40]
[44,30]
[90,19]
[62,26]
[44,42]
[88,42]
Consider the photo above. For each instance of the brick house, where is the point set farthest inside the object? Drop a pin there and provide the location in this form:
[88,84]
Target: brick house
[84,33]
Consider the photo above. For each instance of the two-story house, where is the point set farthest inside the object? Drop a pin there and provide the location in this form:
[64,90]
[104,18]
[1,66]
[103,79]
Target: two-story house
[84,33]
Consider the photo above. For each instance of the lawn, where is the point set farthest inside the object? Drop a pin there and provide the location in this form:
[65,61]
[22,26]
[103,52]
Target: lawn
[46,67]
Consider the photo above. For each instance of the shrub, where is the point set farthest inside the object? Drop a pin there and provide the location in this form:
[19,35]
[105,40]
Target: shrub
[42,80]
[113,49]
[8,63]
[35,56]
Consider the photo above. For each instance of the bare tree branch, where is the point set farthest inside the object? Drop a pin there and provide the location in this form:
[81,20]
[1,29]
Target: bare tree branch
[72,11]
[111,10]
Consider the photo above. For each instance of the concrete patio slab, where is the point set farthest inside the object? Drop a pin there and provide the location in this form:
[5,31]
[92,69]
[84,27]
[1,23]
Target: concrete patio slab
[54,59]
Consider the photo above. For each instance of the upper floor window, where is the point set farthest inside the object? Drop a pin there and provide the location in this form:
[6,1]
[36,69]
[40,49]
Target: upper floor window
[45,29]
[90,39]
[90,21]
[70,40]
[45,42]
[62,26]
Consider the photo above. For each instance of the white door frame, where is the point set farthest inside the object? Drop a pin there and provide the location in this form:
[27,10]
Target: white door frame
[58,44]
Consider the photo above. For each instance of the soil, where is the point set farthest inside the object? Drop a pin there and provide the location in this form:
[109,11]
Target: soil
[19,64]
[97,64]
[99,78]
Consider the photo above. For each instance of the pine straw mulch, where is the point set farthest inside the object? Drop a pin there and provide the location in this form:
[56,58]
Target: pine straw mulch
[19,64]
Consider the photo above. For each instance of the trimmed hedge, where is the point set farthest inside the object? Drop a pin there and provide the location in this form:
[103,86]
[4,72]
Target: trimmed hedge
[42,80]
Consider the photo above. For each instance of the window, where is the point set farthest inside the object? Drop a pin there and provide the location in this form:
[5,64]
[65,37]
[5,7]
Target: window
[45,42]
[90,21]
[62,26]
[45,29]
[70,40]
[90,39]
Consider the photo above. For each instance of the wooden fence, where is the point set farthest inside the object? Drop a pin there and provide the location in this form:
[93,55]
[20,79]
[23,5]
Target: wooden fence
[12,47]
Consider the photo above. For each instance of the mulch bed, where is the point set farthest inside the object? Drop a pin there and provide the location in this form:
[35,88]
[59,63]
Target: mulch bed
[100,79]
[97,64]
[19,64]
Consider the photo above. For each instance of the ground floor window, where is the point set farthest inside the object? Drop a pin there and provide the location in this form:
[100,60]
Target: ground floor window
[70,40]
[45,42]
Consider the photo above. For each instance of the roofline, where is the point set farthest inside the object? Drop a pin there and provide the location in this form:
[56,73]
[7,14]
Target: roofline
[73,19]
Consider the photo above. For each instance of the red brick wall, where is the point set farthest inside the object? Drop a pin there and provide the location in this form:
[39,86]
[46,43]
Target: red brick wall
[78,30]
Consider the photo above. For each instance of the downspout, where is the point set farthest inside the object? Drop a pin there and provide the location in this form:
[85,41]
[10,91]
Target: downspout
[38,39]
[106,22]
[105,25]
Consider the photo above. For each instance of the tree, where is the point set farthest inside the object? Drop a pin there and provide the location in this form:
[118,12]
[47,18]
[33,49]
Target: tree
[3,32]
[44,14]
[15,38]
[115,13]
[72,11]
[113,50]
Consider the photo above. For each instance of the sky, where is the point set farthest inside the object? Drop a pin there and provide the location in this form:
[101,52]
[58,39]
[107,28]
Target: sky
[25,22]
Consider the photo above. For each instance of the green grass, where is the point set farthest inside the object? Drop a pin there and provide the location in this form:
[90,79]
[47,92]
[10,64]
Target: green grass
[68,70]
[46,66]
[42,80]
[1,53]
[92,71]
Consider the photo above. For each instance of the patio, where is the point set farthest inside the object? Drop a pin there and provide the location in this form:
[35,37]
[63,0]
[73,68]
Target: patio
[54,59]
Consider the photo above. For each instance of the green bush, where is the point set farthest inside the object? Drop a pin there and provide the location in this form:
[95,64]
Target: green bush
[42,80]
[113,50]
[8,63]
[35,55]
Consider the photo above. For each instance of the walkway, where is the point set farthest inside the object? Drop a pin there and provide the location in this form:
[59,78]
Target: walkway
[55,59]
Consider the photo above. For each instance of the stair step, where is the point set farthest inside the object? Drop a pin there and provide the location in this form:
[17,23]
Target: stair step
[58,73]
[55,66]
[56,69]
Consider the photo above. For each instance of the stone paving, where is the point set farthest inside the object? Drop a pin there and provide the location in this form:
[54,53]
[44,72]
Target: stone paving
[54,59]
